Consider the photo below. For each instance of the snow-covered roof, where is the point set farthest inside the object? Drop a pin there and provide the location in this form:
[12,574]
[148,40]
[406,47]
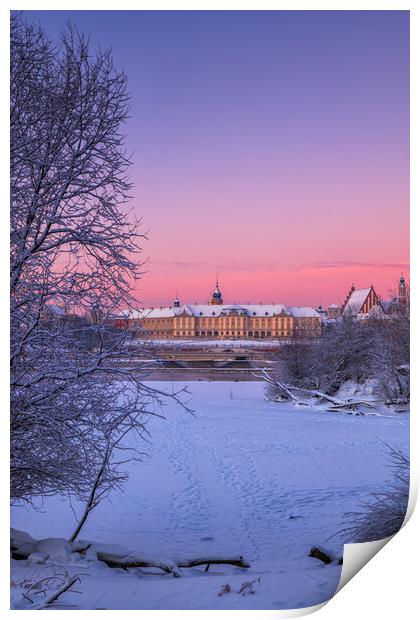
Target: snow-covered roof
[333,306]
[303,312]
[206,310]
[161,313]
[151,313]
[356,300]
[266,309]
[202,310]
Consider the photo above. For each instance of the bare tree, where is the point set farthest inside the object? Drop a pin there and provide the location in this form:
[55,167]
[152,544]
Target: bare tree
[75,249]
[323,366]
[298,358]
[355,350]
[342,354]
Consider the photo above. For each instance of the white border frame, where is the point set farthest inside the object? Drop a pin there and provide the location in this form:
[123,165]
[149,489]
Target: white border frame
[387,586]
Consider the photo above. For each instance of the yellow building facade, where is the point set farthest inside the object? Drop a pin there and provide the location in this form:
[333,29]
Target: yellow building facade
[218,321]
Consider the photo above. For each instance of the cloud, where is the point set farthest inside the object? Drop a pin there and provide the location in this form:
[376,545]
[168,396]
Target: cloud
[324,265]
[219,267]
[255,267]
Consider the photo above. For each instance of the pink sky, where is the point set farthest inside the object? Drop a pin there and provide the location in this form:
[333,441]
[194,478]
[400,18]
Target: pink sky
[271,147]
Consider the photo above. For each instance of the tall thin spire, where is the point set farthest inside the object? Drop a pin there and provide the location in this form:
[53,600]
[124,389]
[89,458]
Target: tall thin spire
[402,292]
[216,298]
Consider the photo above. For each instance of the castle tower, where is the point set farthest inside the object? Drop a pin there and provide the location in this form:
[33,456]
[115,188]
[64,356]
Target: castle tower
[402,292]
[216,299]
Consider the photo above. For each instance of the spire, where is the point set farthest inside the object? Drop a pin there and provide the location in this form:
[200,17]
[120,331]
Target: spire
[402,292]
[216,298]
[217,294]
[176,301]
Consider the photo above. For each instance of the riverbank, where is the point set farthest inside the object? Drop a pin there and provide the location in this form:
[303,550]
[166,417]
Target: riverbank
[241,476]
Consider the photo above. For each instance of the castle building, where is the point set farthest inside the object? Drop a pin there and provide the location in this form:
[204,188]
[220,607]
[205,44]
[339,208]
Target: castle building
[334,311]
[362,302]
[217,321]
[365,303]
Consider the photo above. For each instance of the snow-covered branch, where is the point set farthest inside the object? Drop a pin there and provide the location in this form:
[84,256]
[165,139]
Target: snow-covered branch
[75,247]
[349,351]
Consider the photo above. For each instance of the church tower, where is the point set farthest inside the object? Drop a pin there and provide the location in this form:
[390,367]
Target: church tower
[216,298]
[177,303]
[402,293]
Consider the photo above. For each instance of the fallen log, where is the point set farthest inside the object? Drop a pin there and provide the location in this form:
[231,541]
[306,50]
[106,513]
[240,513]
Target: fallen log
[286,391]
[134,561]
[320,395]
[317,553]
[352,404]
[114,556]
[235,561]
[126,563]
[347,411]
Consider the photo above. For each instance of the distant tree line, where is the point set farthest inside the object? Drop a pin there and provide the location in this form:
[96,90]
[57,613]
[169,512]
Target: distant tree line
[351,350]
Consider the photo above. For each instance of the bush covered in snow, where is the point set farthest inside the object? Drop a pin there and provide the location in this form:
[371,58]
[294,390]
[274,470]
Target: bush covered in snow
[383,514]
[349,351]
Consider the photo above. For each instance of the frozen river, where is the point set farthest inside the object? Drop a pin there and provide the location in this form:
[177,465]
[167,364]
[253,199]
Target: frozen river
[241,476]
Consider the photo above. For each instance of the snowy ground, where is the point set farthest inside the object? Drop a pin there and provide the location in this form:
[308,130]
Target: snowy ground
[244,476]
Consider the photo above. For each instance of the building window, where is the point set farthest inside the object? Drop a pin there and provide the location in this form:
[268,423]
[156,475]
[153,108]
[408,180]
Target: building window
[250,333]
[256,334]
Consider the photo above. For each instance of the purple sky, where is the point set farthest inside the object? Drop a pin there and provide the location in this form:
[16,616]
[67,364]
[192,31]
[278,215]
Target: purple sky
[271,147]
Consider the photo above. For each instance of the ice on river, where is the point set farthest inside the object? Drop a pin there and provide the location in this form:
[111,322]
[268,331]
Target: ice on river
[243,476]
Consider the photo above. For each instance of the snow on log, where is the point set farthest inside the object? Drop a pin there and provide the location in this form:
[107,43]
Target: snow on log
[114,556]
[21,544]
[239,561]
[134,560]
[286,391]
